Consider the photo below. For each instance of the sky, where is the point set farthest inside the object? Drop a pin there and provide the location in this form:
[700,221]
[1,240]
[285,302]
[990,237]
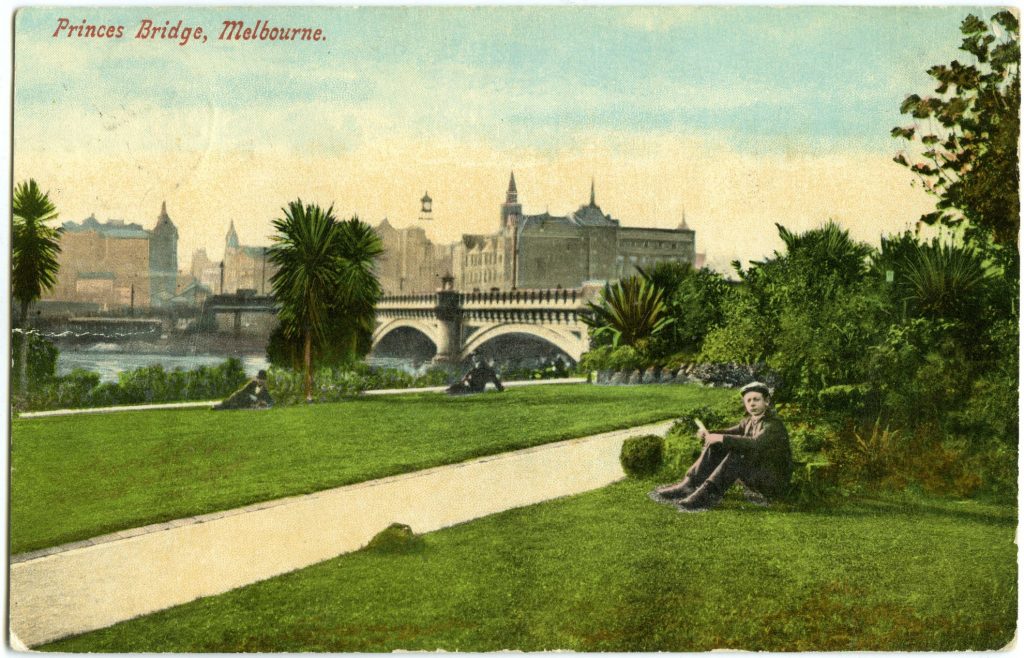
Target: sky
[739,117]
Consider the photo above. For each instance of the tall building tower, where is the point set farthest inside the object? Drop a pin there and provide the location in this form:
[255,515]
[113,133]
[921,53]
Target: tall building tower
[231,240]
[426,208]
[163,259]
[229,282]
[511,210]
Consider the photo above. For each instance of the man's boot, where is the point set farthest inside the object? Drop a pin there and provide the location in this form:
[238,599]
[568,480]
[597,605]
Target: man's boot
[676,491]
[701,500]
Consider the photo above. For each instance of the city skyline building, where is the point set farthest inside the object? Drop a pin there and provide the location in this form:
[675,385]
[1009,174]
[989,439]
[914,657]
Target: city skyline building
[115,264]
[563,251]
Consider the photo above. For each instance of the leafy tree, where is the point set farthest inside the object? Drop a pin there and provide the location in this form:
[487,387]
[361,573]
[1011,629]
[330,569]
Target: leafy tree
[33,256]
[744,335]
[696,307]
[325,277]
[630,312]
[808,312]
[964,137]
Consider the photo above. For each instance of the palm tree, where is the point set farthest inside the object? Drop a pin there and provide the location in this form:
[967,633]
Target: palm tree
[34,255]
[828,249]
[325,280]
[944,281]
[630,311]
[360,290]
[305,250]
[667,276]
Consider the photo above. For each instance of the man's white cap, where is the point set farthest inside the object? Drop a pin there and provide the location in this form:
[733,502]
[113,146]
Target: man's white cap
[760,387]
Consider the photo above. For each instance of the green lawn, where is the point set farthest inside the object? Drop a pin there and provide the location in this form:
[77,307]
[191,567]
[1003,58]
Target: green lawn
[610,571]
[76,477]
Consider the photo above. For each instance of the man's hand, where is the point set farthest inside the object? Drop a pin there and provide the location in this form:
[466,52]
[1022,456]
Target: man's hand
[710,439]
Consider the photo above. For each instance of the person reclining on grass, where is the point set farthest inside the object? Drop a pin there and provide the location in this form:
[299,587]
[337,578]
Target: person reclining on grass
[755,452]
[476,380]
[254,395]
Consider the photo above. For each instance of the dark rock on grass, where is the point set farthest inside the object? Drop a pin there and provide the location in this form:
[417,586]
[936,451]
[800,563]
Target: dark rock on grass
[396,538]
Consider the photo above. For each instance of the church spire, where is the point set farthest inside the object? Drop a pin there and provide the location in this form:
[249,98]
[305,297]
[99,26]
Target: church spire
[164,225]
[511,210]
[592,202]
[232,237]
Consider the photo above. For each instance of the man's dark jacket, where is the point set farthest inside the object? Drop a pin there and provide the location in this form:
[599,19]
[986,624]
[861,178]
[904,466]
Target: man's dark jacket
[764,442]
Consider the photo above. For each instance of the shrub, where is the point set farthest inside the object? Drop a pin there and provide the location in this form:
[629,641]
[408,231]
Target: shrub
[813,483]
[682,447]
[849,399]
[624,358]
[396,538]
[81,388]
[808,441]
[642,455]
[42,358]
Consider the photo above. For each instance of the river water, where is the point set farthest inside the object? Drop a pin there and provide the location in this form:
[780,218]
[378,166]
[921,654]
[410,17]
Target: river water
[109,359]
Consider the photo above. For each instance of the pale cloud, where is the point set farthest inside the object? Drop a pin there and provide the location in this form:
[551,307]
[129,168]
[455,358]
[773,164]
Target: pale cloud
[730,198]
[225,135]
[658,19]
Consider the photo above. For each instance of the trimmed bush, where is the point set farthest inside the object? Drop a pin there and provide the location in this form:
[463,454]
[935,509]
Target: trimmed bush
[642,455]
[396,538]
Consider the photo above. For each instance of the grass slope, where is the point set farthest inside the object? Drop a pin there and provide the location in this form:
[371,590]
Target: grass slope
[76,477]
[610,571]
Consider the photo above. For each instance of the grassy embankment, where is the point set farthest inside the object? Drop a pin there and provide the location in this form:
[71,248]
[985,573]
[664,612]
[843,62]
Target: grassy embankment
[610,571]
[76,477]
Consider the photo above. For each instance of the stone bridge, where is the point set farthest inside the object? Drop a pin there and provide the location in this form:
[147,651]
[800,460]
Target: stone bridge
[458,323]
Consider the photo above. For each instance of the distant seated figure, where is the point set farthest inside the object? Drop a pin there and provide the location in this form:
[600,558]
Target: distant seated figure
[254,395]
[476,380]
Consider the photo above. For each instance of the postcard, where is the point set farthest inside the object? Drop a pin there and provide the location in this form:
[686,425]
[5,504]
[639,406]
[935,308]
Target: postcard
[514,328]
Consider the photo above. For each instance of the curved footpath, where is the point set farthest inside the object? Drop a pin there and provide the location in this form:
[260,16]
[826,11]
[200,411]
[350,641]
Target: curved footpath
[71,589]
[210,403]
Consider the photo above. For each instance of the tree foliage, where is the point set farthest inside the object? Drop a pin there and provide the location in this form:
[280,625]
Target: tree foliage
[325,284]
[696,307]
[34,245]
[34,249]
[964,137]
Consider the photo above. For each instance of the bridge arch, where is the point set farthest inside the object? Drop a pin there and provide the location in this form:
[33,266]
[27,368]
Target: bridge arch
[563,340]
[426,328]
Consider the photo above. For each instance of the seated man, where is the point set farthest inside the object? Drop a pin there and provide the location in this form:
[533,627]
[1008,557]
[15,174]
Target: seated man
[755,452]
[476,380]
[254,395]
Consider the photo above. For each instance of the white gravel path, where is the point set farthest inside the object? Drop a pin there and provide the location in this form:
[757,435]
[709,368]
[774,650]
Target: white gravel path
[210,403]
[88,585]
